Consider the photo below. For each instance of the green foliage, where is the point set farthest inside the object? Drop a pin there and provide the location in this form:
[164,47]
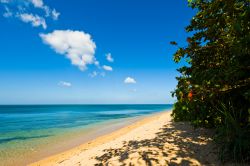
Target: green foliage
[232,137]
[218,73]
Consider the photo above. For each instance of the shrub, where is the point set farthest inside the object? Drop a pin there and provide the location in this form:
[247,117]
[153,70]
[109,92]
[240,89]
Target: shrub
[214,87]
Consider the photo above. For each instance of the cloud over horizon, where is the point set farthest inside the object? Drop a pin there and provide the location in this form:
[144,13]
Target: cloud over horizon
[93,74]
[107,68]
[129,80]
[64,84]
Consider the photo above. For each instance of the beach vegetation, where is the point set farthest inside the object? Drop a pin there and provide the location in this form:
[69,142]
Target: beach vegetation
[213,88]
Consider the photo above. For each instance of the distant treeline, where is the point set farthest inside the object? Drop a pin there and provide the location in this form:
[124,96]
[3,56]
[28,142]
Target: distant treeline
[214,87]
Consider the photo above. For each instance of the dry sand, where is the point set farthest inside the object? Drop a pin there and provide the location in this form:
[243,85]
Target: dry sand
[155,140]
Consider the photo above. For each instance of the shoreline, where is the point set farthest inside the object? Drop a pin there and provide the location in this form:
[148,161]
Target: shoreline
[153,140]
[72,139]
[100,139]
[83,136]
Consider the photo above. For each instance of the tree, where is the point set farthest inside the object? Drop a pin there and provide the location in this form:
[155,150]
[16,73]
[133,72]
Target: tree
[214,87]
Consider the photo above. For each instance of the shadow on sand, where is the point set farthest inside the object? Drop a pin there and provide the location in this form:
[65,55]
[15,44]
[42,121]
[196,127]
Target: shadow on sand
[175,144]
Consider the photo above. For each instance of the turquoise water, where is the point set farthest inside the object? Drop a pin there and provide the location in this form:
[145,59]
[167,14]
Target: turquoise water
[30,131]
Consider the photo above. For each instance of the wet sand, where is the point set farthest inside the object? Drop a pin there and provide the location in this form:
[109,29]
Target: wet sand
[154,140]
[63,142]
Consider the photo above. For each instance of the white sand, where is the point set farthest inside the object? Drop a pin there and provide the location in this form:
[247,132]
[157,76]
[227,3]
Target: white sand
[154,140]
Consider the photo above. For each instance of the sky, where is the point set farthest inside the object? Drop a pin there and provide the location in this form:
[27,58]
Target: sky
[90,51]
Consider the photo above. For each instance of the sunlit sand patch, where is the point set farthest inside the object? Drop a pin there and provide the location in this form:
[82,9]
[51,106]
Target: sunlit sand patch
[152,141]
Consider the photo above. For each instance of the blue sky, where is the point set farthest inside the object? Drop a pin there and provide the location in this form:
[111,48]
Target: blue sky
[55,52]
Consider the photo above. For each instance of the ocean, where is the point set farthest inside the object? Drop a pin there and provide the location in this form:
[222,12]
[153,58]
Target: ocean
[31,132]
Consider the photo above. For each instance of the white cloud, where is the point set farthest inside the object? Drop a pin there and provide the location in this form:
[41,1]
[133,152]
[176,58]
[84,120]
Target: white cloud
[37,3]
[55,14]
[22,9]
[7,12]
[93,74]
[108,68]
[35,20]
[78,46]
[65,84]
[109,57]
[97,63]
[130,80]
[48,11]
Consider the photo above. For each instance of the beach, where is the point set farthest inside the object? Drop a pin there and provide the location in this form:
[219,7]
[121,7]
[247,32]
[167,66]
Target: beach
[29,133]
[153,140]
